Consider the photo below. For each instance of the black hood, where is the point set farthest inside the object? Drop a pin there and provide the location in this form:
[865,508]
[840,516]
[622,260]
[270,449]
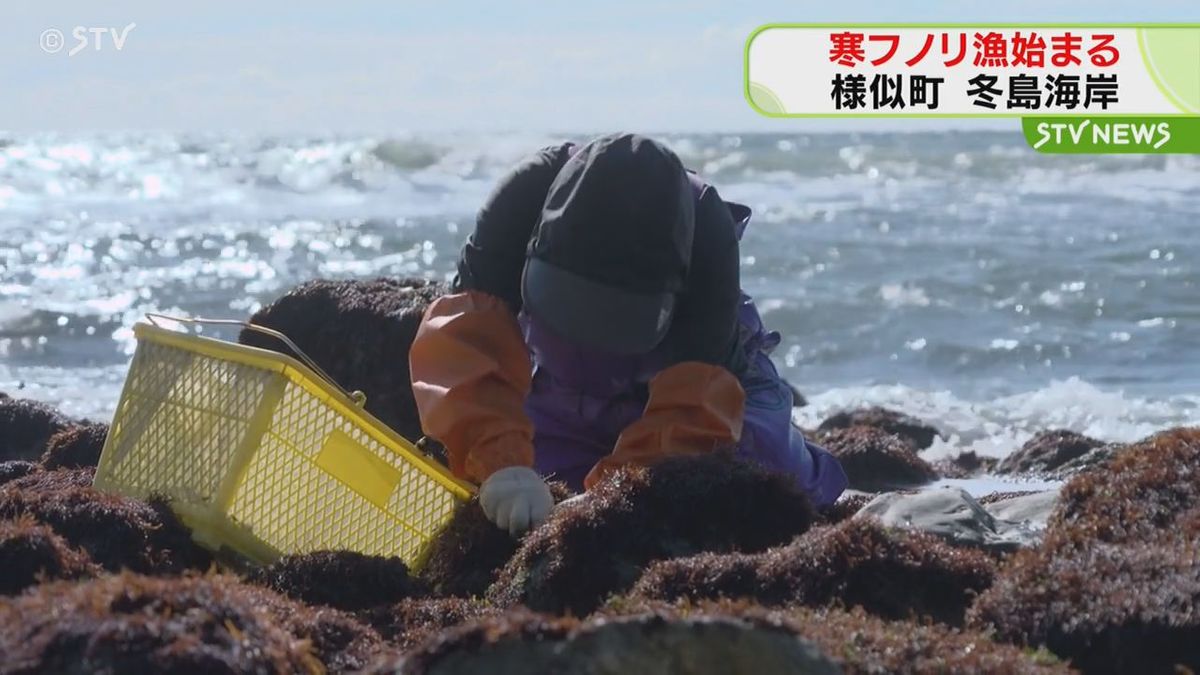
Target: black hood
[613,245]
[620,213]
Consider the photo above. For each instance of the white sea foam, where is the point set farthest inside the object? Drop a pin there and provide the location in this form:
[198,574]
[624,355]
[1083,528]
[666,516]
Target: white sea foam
[998,426]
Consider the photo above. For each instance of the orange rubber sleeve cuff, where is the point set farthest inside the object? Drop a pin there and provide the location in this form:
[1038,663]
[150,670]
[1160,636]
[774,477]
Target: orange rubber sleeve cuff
[694,408]
[471,373]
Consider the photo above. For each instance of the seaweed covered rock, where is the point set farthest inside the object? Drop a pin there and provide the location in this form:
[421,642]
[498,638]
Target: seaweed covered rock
[876,460]
[116,532]
[1047,452]
[470,551]
[340,579]
[862,644]
[128,623]
[965,465]
[909,429]
[858,642]
[415,620]
[25,426]
[1108,608]
[1144,489]
[636,515]
[16,468]
[468,554]
[894,574]
[31,553]
[40,480]
[845,507]
[1115,586]
[76,446]
[521,642]
[359,332]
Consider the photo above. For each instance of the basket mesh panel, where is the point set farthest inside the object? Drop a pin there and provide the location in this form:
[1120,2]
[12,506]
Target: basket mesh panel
[182,419]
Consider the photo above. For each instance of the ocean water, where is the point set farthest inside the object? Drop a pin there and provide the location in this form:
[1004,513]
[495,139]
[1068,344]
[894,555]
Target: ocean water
[957,276]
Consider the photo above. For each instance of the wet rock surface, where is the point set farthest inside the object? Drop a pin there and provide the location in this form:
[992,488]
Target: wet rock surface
[1047,452]
[965,465]
[359,332]
[1033,509]
[1093,459]
[954,516]
[909,429]
[16,468]
[876,460]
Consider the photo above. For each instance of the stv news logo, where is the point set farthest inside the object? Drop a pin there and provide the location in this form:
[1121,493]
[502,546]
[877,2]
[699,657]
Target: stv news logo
[52,40]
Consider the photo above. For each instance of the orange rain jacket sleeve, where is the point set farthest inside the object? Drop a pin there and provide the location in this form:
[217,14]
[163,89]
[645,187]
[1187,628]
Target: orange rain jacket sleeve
[694,408]
[471,374]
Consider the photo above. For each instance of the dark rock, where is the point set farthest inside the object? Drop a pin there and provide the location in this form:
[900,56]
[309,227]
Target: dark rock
[339,579]
[521,642]
[1115,587]
[1046,452]
[965,465]
[1093,459]
[25,426]
[76,446]
[470,551]
[910,429]
[892,573]
[875,460]
[16,468]
[359,332]
[117,532]
[681,506]
[31,553]
[133,624]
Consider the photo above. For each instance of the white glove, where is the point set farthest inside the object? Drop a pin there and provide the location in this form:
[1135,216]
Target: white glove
[515,499]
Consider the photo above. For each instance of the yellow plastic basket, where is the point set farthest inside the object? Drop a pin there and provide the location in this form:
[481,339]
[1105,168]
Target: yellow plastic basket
[259,454]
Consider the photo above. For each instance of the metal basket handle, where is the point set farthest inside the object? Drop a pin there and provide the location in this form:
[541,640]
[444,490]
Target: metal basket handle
[359,398]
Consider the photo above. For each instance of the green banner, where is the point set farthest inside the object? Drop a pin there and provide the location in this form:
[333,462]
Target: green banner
[1136,134]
